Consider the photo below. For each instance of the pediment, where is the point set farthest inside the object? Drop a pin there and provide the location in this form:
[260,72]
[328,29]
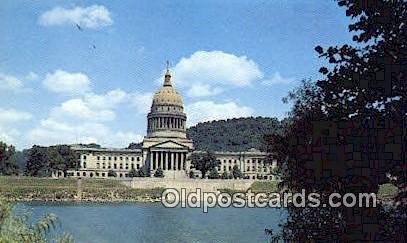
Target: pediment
[169,145]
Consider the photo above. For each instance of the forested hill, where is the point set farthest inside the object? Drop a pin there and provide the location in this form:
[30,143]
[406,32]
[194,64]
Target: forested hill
[238,134]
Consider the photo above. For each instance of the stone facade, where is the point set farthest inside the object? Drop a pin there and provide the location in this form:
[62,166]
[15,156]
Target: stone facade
[166,146]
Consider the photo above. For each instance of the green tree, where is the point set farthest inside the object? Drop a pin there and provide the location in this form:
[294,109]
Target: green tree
[359,99]
[8,163]
[133,173]
[236,172]
[213,174]
[16,227]
[159,173]
[37,163]
[204,162]
[225,175]
[111,173]
[141,173]
[42,161]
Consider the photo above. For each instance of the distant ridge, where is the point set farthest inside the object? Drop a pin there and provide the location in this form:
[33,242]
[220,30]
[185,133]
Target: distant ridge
[237,134]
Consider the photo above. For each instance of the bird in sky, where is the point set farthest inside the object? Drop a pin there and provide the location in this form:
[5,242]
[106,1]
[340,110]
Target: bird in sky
[79,27]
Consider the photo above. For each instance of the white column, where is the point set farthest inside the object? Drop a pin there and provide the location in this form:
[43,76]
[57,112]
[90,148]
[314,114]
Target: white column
[182,161]
[177,161]
[166,160]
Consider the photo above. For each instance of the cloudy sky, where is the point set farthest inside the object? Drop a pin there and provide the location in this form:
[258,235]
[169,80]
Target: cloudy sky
[85,71]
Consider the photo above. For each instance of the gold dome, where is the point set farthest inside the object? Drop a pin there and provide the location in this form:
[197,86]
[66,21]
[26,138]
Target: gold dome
[167,95]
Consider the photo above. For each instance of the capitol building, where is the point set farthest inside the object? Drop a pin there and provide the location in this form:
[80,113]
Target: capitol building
[166,146]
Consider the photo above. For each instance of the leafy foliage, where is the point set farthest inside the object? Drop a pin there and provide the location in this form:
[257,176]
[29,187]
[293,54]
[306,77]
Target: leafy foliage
[236,172]
[213,174]
[111,173]
[238,134]
[133,173]
[8,162]
[345,132]
[159,173]
[204,162]
[42,161]
[18,228]
[135,146]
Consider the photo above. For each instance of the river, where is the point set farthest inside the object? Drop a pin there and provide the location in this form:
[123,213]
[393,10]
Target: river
[152,222]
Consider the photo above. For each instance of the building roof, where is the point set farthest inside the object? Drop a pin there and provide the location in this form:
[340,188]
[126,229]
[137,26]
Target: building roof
[167,95]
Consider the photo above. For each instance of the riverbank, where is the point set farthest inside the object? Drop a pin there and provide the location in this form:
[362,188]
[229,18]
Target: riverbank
[27,189]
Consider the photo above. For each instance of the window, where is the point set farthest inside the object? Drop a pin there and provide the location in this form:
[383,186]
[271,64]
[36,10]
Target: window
[138,166]
[138,158]
[115,158]
[121,158]
[84,173]
[132,166]
[248,168]
[224,167]
[103,174]
[104,158]
[109,166]
[132,159]
[230,167]
[84,157]
[104,166]
[98,165]
[78,174]
[84,164]
[127,166]
[127,158]
[110,158]
[98,158]
[115,166]
[121,166]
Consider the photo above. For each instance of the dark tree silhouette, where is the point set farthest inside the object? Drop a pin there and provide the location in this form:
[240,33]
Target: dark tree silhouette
[203,162]
[346,130]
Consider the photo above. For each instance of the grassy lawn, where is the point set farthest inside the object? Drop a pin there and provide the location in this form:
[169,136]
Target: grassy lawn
[264,186]
[32,188]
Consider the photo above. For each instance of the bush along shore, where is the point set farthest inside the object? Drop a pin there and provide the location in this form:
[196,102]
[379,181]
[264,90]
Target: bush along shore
[26,189]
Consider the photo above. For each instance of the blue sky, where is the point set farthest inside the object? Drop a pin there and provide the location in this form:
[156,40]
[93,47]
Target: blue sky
[62,84]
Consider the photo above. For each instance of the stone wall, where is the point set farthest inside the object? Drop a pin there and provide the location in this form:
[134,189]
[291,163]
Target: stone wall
[205,185]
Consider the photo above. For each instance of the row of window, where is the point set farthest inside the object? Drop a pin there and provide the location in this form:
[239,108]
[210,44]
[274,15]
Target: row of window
[247,168]
[114,158]
[247,161]
[115,166]
[97,174]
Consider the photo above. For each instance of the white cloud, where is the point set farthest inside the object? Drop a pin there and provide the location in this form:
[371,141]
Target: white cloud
[276,78]
[9,82]
[108,100]
[95,16]
[141,101]
[63,82]
[51,132]
[12,115]
[209,71]
[8,120]
[203,111]
[31,76]
[201,90]
[82,120]
[80,109]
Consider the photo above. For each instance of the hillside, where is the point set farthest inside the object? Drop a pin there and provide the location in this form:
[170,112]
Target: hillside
[238,134]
